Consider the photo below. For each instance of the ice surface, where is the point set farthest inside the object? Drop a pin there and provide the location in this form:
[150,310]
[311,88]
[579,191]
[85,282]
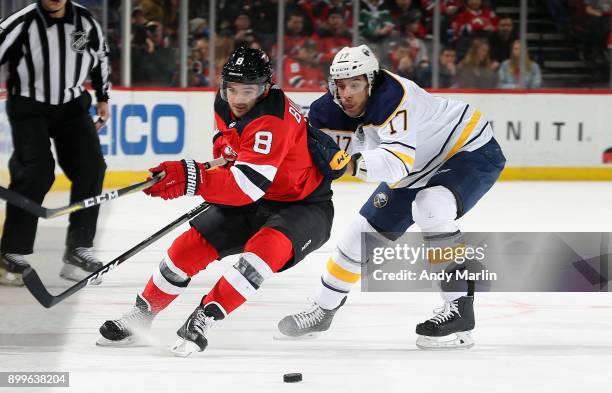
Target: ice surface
[524,342]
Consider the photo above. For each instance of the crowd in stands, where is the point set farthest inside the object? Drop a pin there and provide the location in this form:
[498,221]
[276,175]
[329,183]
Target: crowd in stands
[480,49]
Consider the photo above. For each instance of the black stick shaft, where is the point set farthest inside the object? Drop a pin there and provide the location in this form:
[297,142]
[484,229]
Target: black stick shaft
[39,291]
[34,208]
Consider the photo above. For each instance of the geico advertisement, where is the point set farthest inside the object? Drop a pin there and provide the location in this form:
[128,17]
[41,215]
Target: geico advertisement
[147,127]
[534,130]
[540,130]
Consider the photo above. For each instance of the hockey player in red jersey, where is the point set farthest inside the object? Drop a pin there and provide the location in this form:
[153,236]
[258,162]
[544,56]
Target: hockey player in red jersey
[271,205]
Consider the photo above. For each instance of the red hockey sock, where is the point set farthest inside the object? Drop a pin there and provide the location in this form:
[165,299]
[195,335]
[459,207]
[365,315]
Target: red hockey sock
[264,254]
[189,254]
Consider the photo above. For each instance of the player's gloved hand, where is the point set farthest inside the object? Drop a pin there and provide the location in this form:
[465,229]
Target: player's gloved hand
[357,167]
[222,147]
[182,178]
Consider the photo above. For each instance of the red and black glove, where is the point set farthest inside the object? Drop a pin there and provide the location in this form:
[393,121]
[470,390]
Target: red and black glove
[222,147]
[182,178]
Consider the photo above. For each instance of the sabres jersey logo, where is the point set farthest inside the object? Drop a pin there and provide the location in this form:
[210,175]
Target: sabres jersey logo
[380,200]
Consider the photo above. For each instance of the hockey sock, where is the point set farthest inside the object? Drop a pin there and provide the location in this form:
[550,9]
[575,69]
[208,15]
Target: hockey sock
[342,272]
[343,268]
[264,254]
[189,254]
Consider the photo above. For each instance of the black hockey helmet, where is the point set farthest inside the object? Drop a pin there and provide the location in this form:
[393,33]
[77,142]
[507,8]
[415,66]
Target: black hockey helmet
[247,65]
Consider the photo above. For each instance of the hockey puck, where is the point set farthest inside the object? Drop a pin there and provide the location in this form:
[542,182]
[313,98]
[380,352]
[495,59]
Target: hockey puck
[292,377]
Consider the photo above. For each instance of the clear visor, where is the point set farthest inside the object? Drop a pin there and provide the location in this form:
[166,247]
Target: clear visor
[241,92]
[350,86]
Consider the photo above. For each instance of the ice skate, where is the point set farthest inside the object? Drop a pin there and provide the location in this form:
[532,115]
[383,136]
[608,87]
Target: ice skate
[12,267]
[450,328]
[306,324]
[126,331]
[193,333]
[79,263]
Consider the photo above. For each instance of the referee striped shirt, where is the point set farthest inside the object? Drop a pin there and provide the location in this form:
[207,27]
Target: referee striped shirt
[50,59]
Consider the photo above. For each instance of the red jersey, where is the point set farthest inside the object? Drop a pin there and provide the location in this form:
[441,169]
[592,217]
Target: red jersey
[470,21]
[273,161]
[329,44]
[303,75]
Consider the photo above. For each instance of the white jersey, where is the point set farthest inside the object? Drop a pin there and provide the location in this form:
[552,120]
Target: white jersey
[405,133]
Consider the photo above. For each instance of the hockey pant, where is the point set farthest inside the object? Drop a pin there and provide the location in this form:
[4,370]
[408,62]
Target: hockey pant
[190,253]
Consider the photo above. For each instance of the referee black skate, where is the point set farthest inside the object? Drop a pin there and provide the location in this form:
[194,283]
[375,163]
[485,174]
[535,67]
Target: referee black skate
[51,47]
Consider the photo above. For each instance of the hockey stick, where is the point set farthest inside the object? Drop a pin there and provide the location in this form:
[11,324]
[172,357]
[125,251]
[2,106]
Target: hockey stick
[40,292]
[34,208]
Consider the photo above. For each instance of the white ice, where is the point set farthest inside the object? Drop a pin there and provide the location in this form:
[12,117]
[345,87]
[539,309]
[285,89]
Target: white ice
[525,342]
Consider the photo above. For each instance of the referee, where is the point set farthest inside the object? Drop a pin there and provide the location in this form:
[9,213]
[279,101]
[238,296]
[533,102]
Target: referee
[51,47]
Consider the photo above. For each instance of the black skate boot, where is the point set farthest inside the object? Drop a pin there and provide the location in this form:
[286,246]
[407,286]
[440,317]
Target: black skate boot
[79,262]
[306,324]
[12,267]
[193,333]
[455,317]
[127,330]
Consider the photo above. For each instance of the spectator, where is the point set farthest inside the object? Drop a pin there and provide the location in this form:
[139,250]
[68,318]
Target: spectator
[195,74]
[474,20]
[264,15]
[402,62]
[154,63]
[597,28]
[295,35]
[411,35]
[399,8]
[317,12]
[224,46]
[501,41]
[333,36]
[302,69]
[477,70]
[510,70]
[243,33]
[375,23]
[139,30]
[198,69]
[448,67]
[165,11]
[448,11]
[447,70]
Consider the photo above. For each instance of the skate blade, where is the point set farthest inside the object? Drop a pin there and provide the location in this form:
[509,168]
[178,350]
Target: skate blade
[183,348]
[74,273]
[278,336]
[459,340]
[126,342]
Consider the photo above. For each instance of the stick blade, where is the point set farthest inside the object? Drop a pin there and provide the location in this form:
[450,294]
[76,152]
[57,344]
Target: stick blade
[37,288]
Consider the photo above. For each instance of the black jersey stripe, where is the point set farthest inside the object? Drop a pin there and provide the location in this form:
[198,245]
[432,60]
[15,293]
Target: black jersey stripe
[62,61]
[254,177]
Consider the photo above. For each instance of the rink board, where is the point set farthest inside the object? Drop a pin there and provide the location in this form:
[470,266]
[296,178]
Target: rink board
[550,136]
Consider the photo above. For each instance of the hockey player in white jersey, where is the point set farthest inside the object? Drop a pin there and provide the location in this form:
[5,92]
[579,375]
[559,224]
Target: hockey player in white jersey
[434,158]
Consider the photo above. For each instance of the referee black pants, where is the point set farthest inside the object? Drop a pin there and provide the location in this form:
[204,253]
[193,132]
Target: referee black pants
[31,167]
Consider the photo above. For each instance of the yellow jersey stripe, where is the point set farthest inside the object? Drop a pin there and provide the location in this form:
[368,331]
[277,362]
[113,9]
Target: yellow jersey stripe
[464,134]
[404,157]
[341,273]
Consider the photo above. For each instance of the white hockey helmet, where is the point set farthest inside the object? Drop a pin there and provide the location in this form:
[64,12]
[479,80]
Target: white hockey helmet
[350,62]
